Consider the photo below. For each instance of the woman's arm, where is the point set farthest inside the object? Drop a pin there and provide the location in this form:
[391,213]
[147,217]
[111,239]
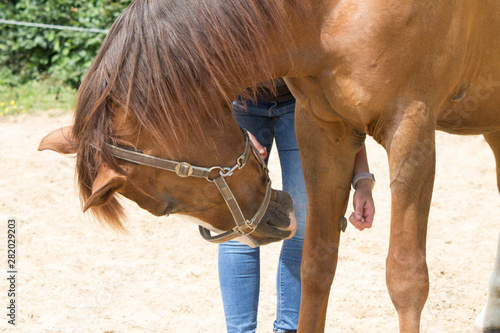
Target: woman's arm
[364,207]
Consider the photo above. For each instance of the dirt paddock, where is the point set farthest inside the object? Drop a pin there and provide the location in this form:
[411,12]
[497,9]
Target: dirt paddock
[76,276]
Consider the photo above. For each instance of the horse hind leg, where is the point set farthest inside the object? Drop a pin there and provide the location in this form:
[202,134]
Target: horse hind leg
[488,320]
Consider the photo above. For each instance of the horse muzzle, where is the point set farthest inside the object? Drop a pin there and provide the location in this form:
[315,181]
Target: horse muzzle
[278,222]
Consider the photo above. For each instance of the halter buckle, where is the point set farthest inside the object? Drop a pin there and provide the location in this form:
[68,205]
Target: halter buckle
[184,169]
[247,228]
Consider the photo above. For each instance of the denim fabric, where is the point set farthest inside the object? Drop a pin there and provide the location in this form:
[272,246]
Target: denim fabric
[239,264]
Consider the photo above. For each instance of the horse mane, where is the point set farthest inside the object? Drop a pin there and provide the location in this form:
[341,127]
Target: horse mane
[170,65]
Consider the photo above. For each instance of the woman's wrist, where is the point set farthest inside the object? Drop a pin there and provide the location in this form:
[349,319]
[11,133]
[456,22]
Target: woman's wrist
[363,178]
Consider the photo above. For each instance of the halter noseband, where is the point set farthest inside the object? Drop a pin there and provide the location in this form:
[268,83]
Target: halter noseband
[184,169]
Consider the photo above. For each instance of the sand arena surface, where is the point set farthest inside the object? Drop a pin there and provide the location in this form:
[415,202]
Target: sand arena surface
[76,276]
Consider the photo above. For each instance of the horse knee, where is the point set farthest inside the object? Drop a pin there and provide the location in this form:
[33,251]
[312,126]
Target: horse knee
[407,281]
[318,271]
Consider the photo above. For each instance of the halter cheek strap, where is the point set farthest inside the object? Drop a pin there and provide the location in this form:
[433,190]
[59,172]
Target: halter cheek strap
[243,226]
[184,169]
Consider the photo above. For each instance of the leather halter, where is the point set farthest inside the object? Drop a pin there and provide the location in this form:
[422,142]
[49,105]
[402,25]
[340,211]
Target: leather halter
[184,169]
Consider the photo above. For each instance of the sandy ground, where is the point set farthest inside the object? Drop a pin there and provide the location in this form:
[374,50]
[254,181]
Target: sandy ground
[75,276]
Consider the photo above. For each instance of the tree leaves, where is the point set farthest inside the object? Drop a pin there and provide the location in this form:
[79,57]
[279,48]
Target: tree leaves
[31,53]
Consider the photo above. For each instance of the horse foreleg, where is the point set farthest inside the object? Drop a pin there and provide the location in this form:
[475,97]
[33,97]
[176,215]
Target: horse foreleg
[411,151]
[327,155]
[489,318]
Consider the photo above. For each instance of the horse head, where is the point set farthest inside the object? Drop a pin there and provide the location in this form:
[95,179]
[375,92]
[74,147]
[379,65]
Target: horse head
[228,191]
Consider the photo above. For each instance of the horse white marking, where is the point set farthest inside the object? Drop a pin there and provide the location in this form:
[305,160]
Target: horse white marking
[489,318]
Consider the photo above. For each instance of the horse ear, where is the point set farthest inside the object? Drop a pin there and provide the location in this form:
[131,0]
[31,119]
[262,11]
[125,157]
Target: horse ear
[59,141]
[106,184]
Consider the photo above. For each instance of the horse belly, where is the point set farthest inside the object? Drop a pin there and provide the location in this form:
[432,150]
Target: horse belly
[473,110]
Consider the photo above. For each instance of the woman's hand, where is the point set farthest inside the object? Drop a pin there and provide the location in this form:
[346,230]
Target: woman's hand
[364,207]
[262,150]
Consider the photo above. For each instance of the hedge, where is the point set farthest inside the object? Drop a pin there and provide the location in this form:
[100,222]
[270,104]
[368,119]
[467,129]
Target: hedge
[28,53]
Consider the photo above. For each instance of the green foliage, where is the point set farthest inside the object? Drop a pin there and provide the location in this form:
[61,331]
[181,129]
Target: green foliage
[32,96]
[28,53]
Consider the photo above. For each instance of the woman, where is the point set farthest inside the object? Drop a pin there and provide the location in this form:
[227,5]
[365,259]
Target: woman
[270,117]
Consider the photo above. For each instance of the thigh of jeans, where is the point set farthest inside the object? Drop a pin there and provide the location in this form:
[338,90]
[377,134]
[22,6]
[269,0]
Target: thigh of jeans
[291,167]
[284,127]
[293,184]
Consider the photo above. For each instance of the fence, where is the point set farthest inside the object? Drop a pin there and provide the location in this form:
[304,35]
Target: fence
[51,26]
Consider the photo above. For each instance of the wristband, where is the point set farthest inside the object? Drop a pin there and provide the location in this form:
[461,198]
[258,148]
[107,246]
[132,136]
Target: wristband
[362,175]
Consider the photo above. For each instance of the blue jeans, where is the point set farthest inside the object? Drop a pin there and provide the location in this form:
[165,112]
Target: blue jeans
[239,264]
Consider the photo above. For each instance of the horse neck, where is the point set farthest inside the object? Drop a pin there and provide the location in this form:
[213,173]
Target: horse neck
[303,56]
[291,46]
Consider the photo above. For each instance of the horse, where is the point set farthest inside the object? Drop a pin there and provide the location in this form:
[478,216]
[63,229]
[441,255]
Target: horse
[161,85]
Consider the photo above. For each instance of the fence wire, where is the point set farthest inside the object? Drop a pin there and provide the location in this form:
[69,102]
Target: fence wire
[51,26]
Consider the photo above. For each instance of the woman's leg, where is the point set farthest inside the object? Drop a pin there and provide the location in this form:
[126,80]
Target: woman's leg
[288,279]
[239,264]
[239,278]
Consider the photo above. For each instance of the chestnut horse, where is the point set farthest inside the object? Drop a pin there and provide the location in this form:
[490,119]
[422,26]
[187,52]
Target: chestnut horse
[165,75]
